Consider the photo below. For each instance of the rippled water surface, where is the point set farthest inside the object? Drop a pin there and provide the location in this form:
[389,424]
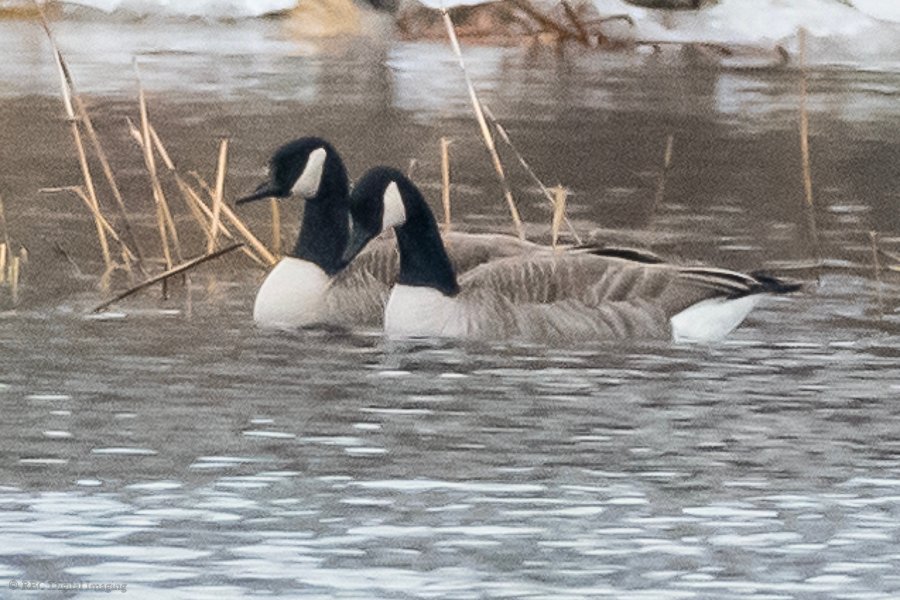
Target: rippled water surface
[174,448]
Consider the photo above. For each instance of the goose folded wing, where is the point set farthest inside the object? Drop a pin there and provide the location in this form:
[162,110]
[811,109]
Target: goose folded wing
[588,296]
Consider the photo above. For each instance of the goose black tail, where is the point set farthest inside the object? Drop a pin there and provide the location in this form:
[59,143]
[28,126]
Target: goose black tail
[773,285]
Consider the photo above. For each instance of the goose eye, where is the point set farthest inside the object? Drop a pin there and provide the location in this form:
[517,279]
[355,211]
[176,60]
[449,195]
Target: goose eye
[394,212]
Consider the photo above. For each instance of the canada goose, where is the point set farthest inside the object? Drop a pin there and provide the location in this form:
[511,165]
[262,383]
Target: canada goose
[576,295]
[313,284]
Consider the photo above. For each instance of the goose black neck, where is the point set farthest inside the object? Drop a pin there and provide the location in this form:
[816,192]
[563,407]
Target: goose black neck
[325,228]
[423,259]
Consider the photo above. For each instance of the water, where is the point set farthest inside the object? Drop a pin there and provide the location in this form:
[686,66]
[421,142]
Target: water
[174,448]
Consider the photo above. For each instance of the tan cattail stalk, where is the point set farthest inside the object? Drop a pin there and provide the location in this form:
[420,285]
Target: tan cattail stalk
[445,181]
[238,225]
[165,230]
[560,195]
[485,130]
[135,249]
[217,196]
[664,173]
[182,185]
[276,227]
[804,149]
[14,278]
[876,268]
[180,269]
[524,164]
[3,251]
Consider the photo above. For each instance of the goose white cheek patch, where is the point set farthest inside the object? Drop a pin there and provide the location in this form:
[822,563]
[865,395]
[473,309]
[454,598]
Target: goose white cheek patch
[394,211]
[309,181]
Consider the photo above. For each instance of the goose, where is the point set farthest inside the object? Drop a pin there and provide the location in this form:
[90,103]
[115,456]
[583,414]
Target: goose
[591,294]
[313,284]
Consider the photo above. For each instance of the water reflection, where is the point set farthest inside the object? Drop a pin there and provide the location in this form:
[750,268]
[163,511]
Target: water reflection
[189,455]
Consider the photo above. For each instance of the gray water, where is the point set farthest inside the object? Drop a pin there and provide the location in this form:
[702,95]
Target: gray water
[171,447]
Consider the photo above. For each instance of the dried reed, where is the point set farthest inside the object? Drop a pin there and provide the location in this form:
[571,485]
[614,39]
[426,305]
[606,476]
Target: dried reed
[664,173]
[14,278]
[485,130]
[804,149]
[202,214]
[445,181]
[3,247]
[104,223]
[217,196]
[135,249]
[70,98]
[183,187]
[260,248]
[544,189]
[166,275]
[543,20]
[560,195]
[876,268]
[276,226]
[82,155]
[582,34]
[164,222]
[3,226]
[890,256]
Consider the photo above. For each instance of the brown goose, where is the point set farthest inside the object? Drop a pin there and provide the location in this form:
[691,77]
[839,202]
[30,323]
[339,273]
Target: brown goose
[546,296]
[313,285]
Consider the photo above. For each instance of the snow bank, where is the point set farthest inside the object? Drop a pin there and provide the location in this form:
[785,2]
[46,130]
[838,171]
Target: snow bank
[851,31]
[211,9]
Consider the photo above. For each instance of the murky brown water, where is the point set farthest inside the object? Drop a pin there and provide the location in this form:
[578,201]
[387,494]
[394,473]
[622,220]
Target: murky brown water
[186,454]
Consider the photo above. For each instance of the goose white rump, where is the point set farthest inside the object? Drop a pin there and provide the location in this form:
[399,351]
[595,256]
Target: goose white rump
[583,294]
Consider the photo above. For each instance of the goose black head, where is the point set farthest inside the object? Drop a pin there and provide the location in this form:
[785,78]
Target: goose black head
[308,167]
[378,202]
[385,198]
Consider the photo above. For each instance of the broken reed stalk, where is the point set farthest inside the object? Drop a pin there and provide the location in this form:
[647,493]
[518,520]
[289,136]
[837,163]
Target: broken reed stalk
[664,173]
[445,181]
[543,20]
[560,195]
[804,148]
[582,33]
[890,255]
[663,177]
[267,257]
[413,163]
[14,278]
[69,96]
[544,189]
[5,245]
[126,251]
[169,273]
[3,223]
[67,89]
[485,130]
[276,226]
[82,155]
[104,223]
[202,214]
[183,187]
[217,196]
[876,267]
[135,249]
[164,225]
